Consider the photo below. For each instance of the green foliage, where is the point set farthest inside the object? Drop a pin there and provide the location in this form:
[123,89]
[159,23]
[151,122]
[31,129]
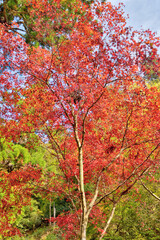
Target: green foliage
[18,155]
[13,155]
[37,157]
[30,217]
[17,10]
[51,237]
[113,238]
[137,216]
[42,233]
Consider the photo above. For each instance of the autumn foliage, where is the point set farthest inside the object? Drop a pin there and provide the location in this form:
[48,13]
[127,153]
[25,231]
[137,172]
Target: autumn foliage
[15,193]
[85,94]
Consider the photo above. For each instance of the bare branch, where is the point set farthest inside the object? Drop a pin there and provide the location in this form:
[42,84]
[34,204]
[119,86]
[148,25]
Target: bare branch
[126,128]
[131,175]
[155,196]
[109,221]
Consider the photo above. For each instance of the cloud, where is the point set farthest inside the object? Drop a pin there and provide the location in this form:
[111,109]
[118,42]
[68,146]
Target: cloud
[142,13]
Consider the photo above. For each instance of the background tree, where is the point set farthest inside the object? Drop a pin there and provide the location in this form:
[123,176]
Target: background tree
[20,12]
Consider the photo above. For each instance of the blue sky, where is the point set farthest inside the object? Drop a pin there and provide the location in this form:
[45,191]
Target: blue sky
[142,13]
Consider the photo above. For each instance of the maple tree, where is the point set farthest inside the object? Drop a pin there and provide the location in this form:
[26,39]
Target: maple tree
[87,97]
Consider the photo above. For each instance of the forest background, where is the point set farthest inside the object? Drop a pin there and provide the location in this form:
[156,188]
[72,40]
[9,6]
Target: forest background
[79,101]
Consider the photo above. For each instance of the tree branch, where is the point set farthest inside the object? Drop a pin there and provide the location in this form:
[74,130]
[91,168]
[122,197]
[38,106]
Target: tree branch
[131,175]
[109,221]
[155,196]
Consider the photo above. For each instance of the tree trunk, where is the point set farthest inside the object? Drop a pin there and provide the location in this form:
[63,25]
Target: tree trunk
[84,215]
[50,213]
[54,214]
[84,230]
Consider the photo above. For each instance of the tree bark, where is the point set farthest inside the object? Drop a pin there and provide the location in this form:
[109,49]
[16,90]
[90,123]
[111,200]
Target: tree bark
[54,214]
[108,222]
[84,217]
[50,214]
[84,230]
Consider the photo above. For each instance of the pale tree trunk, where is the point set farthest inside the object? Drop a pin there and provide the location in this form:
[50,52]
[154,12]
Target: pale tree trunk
[50,213]
[84,215]
[84,230]
[54,214]
[108,222]
[85,209]
[84,218]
